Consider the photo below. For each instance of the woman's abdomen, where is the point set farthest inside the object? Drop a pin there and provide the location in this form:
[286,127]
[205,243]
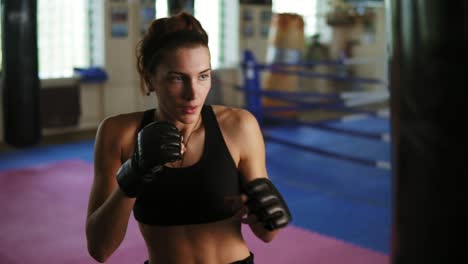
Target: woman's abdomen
[218,242]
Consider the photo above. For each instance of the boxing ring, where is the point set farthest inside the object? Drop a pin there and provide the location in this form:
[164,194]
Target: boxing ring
[354,121]
[335,171]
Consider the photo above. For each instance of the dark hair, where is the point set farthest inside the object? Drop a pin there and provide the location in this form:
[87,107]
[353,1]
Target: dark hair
[163,35]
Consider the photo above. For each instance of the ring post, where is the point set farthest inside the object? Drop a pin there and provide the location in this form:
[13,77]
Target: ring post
[252,85]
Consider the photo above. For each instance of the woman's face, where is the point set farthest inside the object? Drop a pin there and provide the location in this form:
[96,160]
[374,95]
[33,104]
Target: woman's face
[183,80]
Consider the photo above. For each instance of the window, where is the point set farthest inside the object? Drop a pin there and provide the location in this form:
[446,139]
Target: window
[207,12]
[64,40]
[161,8]
[63,37]
[306,8]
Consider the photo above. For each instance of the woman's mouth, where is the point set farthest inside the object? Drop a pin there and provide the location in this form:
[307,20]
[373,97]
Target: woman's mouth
[189,110]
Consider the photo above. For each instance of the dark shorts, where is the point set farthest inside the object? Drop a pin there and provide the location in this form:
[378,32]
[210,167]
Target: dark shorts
[247,260]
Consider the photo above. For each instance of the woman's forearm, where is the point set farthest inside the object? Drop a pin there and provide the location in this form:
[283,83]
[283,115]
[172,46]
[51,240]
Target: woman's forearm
[106,227]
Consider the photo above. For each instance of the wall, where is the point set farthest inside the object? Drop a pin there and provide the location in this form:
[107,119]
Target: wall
[121,88]
[369,45]
[117,55]
[254,24]
[91,101]
[121,93]
[373,45]
[1,111]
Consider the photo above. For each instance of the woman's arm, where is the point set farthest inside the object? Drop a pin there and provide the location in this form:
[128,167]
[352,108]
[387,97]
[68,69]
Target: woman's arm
[108,209]
[252,165]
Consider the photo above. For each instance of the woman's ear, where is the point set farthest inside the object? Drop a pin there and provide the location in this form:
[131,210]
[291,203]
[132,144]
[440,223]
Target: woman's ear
[149,87]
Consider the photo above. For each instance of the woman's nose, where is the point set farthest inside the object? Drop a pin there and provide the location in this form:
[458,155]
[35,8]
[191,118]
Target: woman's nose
[189,90]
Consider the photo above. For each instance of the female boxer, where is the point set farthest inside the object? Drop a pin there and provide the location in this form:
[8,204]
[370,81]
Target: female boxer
[191,173]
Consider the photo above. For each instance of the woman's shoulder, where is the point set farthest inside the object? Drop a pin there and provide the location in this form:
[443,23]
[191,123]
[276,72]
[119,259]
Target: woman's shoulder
[230,113]
[120,126]
[240,129]
[235,118]
[121,121]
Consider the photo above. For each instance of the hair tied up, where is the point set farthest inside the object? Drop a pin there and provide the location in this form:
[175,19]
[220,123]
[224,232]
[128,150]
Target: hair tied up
[163,35]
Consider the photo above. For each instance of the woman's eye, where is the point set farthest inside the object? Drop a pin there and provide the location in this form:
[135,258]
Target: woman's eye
[176,79]
[204,77]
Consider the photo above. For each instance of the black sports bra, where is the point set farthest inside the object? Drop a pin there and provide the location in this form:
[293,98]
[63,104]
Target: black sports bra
[194,194]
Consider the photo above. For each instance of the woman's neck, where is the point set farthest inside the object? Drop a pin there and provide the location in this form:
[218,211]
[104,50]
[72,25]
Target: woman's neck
[185,130]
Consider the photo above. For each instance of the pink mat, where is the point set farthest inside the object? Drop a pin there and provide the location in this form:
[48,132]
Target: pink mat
[43,217]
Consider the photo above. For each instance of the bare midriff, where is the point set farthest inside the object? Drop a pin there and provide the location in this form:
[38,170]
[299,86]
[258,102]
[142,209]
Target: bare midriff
[218,243]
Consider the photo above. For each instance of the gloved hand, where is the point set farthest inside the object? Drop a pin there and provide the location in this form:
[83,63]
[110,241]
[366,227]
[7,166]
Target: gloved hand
[265,201]
[157,143]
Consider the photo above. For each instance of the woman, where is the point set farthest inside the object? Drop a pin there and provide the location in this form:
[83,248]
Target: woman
[191,173]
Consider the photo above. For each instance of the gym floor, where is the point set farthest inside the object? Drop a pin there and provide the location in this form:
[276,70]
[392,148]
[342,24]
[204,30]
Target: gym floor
[341,208]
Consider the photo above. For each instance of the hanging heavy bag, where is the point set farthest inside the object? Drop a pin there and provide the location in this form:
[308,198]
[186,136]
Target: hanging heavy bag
[20,87]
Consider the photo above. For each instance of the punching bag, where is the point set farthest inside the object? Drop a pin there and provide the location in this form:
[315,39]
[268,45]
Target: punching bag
[285,45]
[20,88]
[429,141]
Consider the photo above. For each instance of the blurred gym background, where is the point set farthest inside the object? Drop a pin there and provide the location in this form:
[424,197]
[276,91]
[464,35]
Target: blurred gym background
[67,65]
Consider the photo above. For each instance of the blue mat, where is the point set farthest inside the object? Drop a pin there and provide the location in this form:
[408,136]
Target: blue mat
[336,142]
[343,178]
[336,198]
[43,154]
[369,124]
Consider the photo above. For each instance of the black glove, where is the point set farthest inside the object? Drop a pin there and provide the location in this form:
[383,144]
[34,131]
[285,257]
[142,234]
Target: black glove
[157,143]
[265,201]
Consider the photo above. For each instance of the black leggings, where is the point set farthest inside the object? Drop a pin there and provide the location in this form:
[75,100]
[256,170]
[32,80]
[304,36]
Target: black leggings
[247,260]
